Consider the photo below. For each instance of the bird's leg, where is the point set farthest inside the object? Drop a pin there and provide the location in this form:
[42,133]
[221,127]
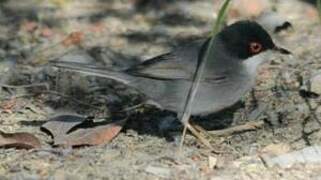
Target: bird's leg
[202,130]
[183,138]
[197,134]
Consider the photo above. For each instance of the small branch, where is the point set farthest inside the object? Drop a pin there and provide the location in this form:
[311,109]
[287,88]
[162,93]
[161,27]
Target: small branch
[25,86]
[250,126]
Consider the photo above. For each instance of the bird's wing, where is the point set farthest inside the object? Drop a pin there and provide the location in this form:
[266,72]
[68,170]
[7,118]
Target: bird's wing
[179,64]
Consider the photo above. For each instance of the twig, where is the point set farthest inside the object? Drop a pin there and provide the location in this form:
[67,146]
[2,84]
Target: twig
[24,86]
[250,126]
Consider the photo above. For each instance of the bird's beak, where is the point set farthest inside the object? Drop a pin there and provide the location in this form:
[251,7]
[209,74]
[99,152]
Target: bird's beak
[281,50]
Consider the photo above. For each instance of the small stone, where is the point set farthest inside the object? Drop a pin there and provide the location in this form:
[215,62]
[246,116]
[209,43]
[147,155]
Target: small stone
[306,156]
[212,161]
[276,149]
[159,171]
[315,84]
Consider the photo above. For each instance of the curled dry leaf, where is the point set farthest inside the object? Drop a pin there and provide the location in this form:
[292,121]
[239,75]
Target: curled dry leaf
[74,38]
[19,140]
[59,126]
[70,130]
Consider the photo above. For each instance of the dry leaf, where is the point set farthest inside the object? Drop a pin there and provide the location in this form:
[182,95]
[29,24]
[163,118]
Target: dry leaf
[59,126]
[74,38]
[69,130]
[19,140]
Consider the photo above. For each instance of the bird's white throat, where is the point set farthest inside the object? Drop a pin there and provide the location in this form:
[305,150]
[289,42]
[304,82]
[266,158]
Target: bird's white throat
[252,63]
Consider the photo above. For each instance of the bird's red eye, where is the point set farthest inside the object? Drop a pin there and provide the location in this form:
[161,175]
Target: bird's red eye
[255,47]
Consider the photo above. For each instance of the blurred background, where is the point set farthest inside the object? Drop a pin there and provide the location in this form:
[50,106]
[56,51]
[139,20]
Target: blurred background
[119,33]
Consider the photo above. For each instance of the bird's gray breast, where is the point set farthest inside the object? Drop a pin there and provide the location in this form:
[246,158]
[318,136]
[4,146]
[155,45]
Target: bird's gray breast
[211,95]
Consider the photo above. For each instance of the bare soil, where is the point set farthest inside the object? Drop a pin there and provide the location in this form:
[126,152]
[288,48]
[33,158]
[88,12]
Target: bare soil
[33,32]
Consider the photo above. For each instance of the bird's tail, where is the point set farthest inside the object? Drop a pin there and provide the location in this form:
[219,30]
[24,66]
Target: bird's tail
[92,70]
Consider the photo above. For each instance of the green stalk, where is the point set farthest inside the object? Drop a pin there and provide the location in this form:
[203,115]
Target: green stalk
[319,8]
[201,64]
[221,18]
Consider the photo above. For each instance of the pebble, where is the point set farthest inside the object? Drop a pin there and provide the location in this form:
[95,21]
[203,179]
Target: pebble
[159,171]
[315,84]
[308,155]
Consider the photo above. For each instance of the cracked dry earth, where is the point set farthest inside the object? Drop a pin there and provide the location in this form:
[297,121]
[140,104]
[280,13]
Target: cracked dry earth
[283,97]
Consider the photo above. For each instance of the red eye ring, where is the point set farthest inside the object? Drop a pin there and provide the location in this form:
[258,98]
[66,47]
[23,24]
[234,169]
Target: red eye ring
[255,47]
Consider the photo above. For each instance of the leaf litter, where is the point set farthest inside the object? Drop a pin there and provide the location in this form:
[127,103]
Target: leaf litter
[73,131]
[120,166]
[20,140]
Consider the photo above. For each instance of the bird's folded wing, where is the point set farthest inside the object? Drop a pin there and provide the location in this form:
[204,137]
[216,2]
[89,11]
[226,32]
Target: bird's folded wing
[179,64]
[165,67]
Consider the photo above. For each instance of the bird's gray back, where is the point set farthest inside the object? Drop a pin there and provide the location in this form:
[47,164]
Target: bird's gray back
[218,89]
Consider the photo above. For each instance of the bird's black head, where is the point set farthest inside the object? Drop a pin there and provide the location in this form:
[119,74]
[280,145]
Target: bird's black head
[244,39]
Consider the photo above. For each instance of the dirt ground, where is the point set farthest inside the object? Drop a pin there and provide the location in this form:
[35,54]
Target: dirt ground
[34,32]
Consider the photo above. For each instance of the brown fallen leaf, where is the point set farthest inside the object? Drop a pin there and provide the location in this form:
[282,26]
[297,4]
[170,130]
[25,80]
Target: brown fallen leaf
[70,130]
[74,38]
[59,126]
[19,140]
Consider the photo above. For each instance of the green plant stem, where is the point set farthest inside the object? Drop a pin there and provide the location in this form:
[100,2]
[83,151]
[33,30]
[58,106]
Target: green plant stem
[201,64]
[319,8]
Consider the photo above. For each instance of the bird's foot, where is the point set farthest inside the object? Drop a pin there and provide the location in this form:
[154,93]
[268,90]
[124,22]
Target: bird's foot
[197,134]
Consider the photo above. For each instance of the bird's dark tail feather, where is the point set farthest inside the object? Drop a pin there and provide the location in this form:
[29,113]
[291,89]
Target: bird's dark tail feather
[91,70]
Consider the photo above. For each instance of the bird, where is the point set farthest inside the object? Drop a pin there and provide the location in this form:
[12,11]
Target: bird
[230,71]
